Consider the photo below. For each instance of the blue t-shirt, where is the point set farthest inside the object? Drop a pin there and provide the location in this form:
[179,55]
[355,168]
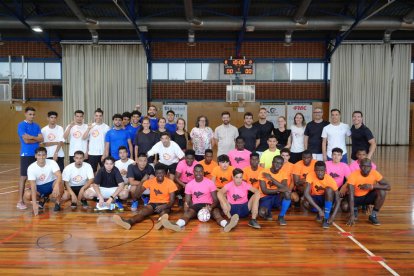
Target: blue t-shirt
[171,128]
[132,132]
[32,129]
[153,123]
[117,138]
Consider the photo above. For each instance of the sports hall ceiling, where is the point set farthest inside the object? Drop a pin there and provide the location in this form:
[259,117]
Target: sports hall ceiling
[208,20]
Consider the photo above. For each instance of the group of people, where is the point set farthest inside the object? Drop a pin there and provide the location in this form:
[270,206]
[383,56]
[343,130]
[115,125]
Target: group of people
[156,161]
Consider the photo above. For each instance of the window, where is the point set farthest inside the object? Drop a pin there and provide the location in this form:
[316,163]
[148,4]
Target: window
[160,71]
[18,70]
[52,71]
[210,71]
[315,71]
[298,71]
[36,71]
[176,71]
[264,71]
[282,71]
[4,70]
[193,71]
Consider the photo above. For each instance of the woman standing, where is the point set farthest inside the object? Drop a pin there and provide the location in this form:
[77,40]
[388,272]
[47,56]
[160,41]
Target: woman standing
[296,141]
[281,132]
[201,137]
[181,136]
[145,139]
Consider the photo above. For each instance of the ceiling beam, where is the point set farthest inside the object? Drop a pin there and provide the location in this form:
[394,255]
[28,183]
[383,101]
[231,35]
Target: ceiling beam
[299,16]
[240,37]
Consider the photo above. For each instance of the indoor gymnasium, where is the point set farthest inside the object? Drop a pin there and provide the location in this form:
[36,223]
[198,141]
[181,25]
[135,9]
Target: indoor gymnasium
[188,137]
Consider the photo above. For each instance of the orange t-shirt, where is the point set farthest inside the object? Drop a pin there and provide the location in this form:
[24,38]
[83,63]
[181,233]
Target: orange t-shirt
[356,179]
[280,176]
[288,170]
[208,169]
[222,177]
[252,177]
[160,193]
[318,185]
[300,169]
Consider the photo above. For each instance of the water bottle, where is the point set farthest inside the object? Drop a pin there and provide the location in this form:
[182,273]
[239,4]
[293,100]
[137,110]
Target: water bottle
[111,206]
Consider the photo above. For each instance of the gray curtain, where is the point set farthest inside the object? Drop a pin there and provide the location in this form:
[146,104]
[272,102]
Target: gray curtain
[112,77]
[374,79]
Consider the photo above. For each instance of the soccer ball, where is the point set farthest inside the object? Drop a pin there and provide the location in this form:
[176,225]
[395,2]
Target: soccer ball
[203,215]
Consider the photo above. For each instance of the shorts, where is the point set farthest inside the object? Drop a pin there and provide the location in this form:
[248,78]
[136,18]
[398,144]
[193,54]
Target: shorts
[94,161]
[319,200]
[45,189]
[317,156]
[270,202]
[368,199]
[241,209]
[25,162]
[197,207]
[154,205]
[171,168]
[76,189]
[106,192]
[60,161]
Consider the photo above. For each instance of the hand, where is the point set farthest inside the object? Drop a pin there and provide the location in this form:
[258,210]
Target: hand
[102,158]
[267,176]
[330,220]
[56,192]
[137,107]
[160,208]
[55,157]
[101,202]
[35,209]
[91,125]
[86,156]
[72,124]
[108,201]
[26,136]
[351,220]
[226,211]
[321,214]
[208,207]
[123,172]
[343,191]
[80,194]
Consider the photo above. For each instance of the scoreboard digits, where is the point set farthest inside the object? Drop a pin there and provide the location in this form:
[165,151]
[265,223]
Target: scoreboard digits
[238,66]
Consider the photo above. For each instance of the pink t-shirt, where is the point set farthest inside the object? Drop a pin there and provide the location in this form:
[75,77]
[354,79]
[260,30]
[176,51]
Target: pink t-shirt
[237,194]
[337,171]
[187,172]
[201,191]
[239,159]
[355,166]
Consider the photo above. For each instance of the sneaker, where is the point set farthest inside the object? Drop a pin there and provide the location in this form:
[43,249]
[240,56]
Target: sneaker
[73,205]
[159,225]
[145,199]
[253,223]
[119,205]
[21,206]
[232,223]
[57,207]
[172,226]
[356,213]
[281,220]
[101,208]
[180,202]
[325,224]
[374,220]
[43,201]
[318,218]
[121,222]
[84,203]
[134,206]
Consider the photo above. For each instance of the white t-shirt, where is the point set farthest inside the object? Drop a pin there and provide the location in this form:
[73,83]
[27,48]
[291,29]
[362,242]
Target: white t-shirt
[169,155]
[124,166]
[226,136]
[53,135]
[297,138]
[77,176]
[75,139]
[42,175]
[97,139]
[336,137]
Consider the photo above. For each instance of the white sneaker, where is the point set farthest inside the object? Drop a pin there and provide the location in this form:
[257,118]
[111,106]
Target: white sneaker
[21,206]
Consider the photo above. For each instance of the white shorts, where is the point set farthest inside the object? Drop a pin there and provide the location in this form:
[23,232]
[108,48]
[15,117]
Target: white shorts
[106,192]
[317,156]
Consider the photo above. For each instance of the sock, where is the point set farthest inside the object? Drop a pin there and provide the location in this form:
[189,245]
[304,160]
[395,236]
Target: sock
[223,223]
[374,212]
[180,222]
[328,207]
[285,207]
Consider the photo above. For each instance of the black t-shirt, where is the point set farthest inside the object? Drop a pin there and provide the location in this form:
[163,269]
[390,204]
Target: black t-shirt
[250,135]
[181,139]
[137,174]
[264,131]
[282,137]
[314,132]
[360,137]
[145,141]
[108,180]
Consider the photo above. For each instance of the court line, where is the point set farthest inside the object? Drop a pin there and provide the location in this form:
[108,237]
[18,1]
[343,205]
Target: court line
[4,188]
[156,268]
[352,238]
[9,170]
[9,192]
[24,229]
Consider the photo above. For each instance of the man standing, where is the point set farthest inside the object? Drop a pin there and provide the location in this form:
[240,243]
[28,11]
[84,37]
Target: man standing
[249,132]
[265,129]
[225,135]
[334,136]
[117,137]
[30,136]
[53,140]
[74,134]
[361,136]
[313,134]
[171,125]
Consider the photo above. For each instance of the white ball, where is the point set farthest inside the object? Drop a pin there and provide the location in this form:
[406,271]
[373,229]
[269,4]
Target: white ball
[203,215]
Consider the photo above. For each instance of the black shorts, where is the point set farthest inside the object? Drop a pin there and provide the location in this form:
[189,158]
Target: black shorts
[171,168]
[94,161]
[367,199]
[76,189]
[197,207]
[71,160]
[154,205]
[60,161]
[25,162]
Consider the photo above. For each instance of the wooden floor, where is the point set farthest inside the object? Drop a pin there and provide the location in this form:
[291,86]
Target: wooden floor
[84,242]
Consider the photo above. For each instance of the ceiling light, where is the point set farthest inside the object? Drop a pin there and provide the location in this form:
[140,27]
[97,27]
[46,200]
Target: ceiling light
[143,28]
[1,40]
[37,29]
[387,36]
[191,36]
[250,28]
[95,38]
[288,39]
